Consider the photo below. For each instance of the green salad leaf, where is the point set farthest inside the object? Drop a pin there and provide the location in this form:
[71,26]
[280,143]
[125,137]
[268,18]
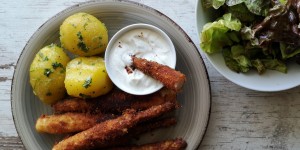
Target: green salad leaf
[215,36]
[241,12]
[244,63]
[213,3]
[248,34]
[288,51]
[283,2]
[229,61]
[257,7]
[235,59]
[237,50]
[239,55]
[233,2]
[275,64]
[231,22]
[258,64]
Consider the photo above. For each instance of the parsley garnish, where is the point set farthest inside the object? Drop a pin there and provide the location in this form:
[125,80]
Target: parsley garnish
[84,26]
[84,96]
[45,58]
[87,82]
[81,44]
[56,65]
[42,56]
[47,72]
[79,35]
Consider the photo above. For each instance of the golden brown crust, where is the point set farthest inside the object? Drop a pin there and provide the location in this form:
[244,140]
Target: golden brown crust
[176,144]
[157,98]
[169,77]
[115,102]
[103,103]
[103,133]
[72,105]
[69,122]
[141,128]
[152,125]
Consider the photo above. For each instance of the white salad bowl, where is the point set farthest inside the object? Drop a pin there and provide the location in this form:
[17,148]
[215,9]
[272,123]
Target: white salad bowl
[269,81]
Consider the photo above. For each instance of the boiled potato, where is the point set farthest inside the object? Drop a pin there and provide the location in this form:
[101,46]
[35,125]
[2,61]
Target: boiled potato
[86,77]
[47,74]
[83,35]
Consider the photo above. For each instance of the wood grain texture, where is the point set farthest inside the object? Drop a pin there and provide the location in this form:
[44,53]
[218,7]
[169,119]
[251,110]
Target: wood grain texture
[240,118]
[11,143]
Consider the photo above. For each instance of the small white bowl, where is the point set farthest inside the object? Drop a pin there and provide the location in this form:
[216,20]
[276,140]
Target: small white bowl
[144,41]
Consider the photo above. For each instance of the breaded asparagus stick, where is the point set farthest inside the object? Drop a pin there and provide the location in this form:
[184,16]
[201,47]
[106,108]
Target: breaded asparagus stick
[175,144]
[169,77]
[152,125]
[103,103]
[116,101]
[102,133]
[76,122]
[69,122]
[141,129]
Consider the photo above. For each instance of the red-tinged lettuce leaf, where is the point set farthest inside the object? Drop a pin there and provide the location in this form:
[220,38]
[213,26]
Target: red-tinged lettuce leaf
[281,25]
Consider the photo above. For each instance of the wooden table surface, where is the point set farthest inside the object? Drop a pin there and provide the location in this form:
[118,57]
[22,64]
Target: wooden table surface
[240,118]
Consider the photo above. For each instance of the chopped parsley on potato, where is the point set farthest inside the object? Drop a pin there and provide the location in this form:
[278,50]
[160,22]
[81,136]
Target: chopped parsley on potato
[47,74]
[83,35]
[86,77]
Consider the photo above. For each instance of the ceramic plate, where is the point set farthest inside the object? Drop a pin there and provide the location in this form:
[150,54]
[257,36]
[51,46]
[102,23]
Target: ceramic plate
[269,81]
[195,97]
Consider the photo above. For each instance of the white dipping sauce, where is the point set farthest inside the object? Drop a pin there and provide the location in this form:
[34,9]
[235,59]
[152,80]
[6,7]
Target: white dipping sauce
[143,43]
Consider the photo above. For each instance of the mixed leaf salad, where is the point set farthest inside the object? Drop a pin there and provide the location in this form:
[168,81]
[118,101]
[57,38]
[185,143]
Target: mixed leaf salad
[254,34]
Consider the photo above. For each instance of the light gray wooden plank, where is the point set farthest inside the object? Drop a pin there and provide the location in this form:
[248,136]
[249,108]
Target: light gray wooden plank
[13,142]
